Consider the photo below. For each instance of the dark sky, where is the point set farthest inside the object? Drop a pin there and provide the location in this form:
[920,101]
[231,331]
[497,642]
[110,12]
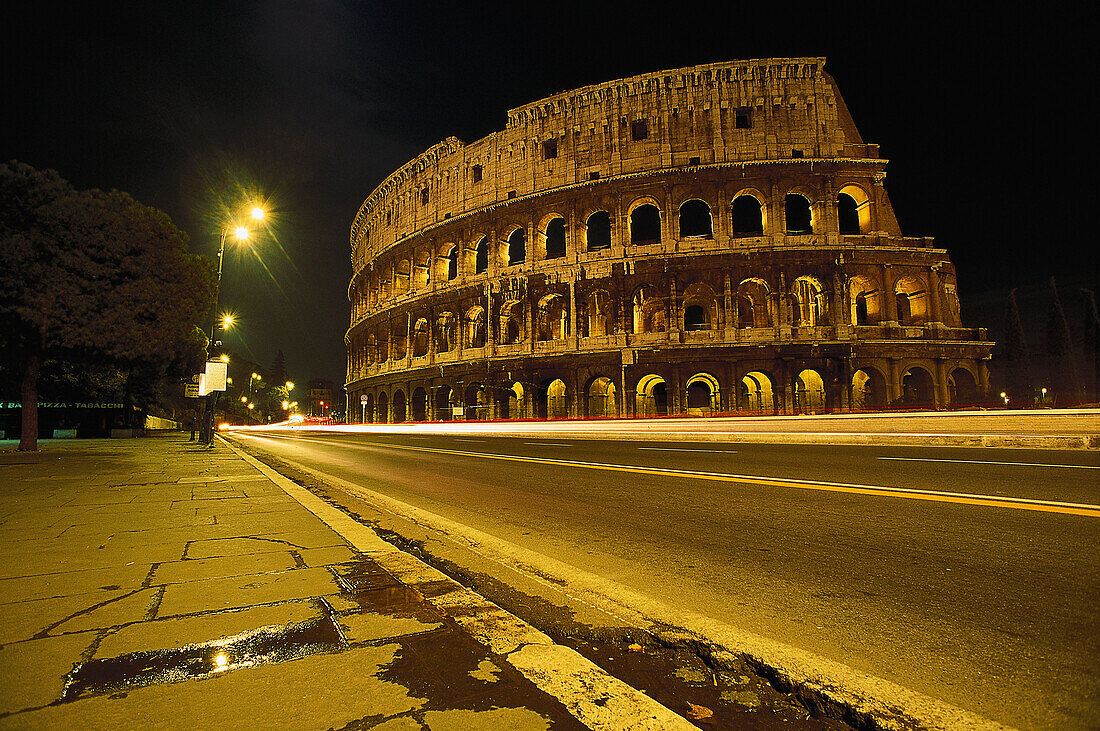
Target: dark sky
[184,104]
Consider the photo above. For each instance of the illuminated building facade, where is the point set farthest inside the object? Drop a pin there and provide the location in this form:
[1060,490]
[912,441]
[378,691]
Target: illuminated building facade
[709,239]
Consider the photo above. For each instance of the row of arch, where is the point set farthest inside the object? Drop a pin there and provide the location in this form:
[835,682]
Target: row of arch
[599,397]
[748,217]
[806,303]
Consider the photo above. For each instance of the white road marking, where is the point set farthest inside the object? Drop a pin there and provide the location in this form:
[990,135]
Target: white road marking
[549,444]
[980,461]
[674,449]
[473,441]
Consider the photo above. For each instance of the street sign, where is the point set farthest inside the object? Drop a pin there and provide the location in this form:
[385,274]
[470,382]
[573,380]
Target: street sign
[216,374]
[191,390]
[363,399]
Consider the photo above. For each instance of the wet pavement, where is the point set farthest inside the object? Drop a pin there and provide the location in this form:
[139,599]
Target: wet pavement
[152,583]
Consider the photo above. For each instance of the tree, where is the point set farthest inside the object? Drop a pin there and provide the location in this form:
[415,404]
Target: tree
[92,277]
[1062,363]
[1018,381]
[1089,334]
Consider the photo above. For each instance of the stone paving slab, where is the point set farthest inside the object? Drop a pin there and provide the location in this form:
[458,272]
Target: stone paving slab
[151,584]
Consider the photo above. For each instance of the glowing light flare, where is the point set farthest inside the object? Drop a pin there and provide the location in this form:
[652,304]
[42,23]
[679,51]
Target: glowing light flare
[221,662]
[258,213]
[242,233]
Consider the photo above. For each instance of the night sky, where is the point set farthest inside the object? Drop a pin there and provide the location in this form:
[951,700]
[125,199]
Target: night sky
[184,104]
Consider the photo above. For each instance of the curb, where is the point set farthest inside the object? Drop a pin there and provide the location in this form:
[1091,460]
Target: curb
[596,698]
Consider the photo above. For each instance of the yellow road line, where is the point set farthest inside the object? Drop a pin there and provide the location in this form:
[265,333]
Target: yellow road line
[1042,506]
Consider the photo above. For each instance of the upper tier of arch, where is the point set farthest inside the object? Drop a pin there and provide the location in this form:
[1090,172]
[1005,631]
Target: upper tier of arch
[713,114]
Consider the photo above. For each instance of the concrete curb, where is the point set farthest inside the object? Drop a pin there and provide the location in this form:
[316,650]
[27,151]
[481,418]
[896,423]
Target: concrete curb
[596,698]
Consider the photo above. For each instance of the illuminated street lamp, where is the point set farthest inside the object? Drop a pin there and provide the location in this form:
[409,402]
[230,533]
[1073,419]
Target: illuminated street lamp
[241,233]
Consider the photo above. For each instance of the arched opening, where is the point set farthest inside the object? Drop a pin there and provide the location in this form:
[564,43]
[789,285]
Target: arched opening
[599,310]
[420,338]
[702,394]
[475,327]
[853,209]
[512,323]
[452,263]
[912,301]
[799,216]
[809,300]
[401,277]
[757,393]
[866,301]
[550,401]
[651,396]
[601,398]
[553,320]
[695,318]
[752,304]
[517,247]
[645,225]
[597,231]
[917,388]
[481,255]
[847,213]
[398,406]
[420,405]
[809,393]
[555,238]
[962,389]
[868,390]
[513,407]
[383,408]
[443,403]
[477,402]
[649,311]
[748,216]
[445,332]
[695,220]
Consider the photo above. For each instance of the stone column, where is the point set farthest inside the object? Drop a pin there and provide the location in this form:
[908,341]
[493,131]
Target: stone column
[940,389]
[935,307]
[890,305]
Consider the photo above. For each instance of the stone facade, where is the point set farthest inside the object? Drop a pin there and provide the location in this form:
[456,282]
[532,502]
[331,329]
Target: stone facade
[710,239]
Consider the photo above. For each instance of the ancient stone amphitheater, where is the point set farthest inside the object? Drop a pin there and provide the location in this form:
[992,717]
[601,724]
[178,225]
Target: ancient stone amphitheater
[703,240]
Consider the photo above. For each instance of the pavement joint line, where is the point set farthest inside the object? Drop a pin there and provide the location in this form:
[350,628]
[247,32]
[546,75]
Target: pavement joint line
[1017,503]
[889,704]
[571,686]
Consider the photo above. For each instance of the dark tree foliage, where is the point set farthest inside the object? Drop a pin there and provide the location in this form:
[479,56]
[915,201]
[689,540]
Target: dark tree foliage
[97,281]
[1089,333]
[1018,377]
[1063,366]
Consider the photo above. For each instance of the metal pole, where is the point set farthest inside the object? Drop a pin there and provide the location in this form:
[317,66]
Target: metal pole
[207,436]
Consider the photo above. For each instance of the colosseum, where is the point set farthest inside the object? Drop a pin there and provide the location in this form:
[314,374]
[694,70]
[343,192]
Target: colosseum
[705,240]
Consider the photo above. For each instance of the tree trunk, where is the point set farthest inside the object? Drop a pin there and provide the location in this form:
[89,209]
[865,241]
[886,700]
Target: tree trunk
[28,437]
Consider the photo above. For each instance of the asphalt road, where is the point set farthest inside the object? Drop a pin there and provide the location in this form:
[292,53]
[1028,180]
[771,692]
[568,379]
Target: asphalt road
[973,578]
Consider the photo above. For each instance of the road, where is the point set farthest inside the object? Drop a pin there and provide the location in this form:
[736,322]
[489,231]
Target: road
[972,578]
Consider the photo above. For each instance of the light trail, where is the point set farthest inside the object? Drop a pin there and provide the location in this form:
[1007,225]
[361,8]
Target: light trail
[1016,503]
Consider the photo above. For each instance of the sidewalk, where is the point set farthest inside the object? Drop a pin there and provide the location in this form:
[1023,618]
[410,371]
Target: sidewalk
[152,583]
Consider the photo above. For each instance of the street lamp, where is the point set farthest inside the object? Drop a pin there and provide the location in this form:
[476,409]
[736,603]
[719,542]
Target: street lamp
[241,233]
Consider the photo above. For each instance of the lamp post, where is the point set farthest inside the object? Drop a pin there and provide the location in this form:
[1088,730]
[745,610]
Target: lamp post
[241,233]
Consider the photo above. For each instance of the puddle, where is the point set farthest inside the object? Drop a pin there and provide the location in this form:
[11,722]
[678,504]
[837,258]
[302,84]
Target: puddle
[452,671]
[268,645]
[376,590]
